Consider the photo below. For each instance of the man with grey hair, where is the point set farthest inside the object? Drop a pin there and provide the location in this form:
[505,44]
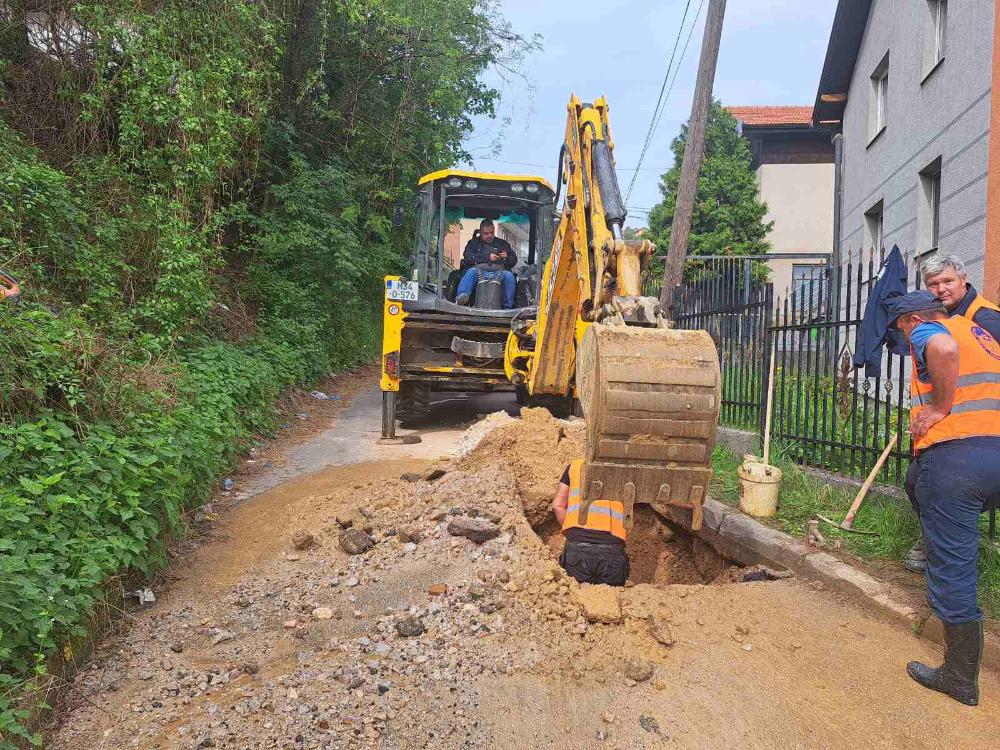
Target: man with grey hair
[946,279]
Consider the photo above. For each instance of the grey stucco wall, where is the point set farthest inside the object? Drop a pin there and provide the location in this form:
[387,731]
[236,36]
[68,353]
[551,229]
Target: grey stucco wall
[946,115]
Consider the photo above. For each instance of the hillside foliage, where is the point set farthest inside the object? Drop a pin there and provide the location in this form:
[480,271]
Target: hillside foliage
[196,198]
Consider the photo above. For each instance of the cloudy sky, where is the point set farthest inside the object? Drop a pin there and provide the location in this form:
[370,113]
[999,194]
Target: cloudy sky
[772,53]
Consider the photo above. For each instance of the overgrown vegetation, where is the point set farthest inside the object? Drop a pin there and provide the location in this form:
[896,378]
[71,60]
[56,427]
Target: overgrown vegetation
[804,497]
[196,198]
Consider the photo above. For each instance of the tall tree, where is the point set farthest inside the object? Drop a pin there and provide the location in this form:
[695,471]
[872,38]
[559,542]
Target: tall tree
[728,215]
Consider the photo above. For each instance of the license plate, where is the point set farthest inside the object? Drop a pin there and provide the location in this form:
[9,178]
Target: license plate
[405,291]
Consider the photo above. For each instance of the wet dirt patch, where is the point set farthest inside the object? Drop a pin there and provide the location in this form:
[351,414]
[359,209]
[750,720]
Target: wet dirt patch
[659,552]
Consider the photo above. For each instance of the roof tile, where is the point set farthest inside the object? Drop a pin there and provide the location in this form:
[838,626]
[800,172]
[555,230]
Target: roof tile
[772,115]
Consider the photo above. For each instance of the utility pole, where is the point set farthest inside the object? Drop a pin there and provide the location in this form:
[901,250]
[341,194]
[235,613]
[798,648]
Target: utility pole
[694,153]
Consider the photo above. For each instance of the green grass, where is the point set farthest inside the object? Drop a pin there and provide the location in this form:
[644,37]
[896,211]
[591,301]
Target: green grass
[803,497]
[818,409]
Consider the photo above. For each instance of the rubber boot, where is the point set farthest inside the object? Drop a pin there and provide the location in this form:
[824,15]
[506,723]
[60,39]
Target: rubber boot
[916,558]
[959,675]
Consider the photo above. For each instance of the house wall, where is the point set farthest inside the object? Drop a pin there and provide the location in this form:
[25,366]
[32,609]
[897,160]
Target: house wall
[946,115]
[799,200]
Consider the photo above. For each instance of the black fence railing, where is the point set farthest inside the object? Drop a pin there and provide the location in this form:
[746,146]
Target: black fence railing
[827,413]
[729,298]
[831,414]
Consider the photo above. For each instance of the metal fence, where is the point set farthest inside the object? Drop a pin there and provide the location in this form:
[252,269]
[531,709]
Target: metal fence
[830,414]
[729,298]
[827,413]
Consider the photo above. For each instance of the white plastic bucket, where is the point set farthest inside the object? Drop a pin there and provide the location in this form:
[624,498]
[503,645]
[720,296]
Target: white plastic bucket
[759,485]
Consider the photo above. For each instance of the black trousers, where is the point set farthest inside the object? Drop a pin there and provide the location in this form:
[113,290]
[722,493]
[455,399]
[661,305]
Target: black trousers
[595,563]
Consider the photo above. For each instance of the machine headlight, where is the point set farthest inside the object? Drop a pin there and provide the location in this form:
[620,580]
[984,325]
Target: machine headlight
[454,182]
[517,187]
[471,184]
[531,188]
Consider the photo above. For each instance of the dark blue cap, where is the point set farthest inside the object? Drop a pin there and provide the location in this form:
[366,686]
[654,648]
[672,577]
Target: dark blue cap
[911,302]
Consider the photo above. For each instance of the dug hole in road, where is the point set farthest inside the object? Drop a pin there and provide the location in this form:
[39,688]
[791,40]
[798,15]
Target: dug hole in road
[398,599]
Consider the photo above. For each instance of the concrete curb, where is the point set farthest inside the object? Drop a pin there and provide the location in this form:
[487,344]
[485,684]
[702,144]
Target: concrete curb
[738,441]
[741,538]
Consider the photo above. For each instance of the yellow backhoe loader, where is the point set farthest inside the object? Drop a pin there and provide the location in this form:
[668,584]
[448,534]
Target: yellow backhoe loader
[580,333]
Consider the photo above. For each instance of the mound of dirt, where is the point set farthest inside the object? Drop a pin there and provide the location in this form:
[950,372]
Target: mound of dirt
[537,447]
[473,436]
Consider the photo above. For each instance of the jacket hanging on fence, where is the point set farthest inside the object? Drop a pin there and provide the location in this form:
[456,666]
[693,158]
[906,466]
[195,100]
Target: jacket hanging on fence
[874,331]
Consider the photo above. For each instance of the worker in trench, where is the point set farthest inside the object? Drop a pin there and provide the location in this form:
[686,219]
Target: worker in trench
[946,279]
[955,472]
[595,547]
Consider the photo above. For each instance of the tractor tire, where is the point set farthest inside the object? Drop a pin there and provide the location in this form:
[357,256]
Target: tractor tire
[413,402]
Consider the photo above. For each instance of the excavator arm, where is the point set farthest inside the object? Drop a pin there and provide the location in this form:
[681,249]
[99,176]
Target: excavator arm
[650,393]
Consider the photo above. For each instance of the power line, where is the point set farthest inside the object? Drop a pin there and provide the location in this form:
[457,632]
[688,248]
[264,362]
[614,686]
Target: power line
[683,52]
[664,92]
[659,101]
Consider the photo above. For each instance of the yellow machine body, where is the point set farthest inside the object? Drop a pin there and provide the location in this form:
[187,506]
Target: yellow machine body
[651,394]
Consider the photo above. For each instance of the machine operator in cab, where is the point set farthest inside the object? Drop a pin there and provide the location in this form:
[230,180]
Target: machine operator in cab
[595,547]
[955,472]
[488,249]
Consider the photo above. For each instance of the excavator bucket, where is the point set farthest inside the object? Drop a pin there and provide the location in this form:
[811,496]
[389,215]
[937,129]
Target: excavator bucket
[651,398]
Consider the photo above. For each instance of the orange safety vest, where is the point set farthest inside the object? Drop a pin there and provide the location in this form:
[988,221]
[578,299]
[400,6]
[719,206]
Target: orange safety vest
[977,304]
[604,515]
[976,408]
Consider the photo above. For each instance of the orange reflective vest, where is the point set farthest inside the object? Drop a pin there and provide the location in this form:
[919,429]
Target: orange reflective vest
[604,515]
[976,408]
[977,304]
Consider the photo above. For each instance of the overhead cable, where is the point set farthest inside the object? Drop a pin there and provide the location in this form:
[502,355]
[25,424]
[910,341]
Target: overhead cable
[665,89]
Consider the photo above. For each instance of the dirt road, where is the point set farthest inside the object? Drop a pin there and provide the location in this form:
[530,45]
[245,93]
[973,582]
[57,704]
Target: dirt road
[430,639]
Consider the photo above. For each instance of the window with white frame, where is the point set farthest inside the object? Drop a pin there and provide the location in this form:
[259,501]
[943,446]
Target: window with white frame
[929,211]
[807,285]
[879,110]
[936,36]
[873,227]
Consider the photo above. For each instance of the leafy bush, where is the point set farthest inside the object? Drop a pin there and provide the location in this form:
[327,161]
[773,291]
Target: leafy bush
[195,195]
[81,502]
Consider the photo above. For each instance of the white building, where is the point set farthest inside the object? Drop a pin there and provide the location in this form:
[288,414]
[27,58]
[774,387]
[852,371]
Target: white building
[793,161]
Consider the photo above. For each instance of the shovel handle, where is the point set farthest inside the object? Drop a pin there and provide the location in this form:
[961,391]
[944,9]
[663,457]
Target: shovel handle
[849,518]
[770,406]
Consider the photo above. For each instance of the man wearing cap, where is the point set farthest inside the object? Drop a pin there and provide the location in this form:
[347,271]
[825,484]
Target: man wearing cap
[955,474]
